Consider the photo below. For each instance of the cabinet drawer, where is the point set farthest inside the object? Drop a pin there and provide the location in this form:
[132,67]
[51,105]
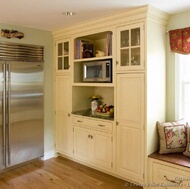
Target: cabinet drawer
[169,177]
[96,124]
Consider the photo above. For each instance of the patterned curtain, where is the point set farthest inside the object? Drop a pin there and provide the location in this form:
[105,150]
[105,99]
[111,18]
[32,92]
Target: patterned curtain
[180,40]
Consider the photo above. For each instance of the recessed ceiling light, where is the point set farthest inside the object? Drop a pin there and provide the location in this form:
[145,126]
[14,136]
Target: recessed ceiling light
[69,13]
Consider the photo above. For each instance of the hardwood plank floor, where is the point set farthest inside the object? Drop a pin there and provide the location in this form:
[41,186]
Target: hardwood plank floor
[59,173]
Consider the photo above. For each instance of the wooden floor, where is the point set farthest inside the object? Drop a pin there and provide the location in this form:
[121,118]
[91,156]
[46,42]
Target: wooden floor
[59,173]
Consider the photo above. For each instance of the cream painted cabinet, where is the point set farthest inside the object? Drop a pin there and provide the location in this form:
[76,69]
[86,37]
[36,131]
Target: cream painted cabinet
[92,146]
[63,130]
[130,47]
[168,176]
[102,149]
[130,126]
[62,56]
[82,143]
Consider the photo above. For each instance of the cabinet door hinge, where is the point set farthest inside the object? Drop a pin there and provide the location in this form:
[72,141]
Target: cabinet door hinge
[55,112]
[73,151]
[143,176]
[111,139]
[112,164]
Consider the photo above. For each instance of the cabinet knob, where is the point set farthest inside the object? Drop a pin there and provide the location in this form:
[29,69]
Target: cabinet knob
[117,123]
[69,114]
[89,136]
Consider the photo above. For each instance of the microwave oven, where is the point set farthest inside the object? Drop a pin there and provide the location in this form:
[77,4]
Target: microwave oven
[97,71]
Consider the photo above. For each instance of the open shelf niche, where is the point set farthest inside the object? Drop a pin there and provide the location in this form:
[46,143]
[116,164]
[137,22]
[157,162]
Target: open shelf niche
[81,96]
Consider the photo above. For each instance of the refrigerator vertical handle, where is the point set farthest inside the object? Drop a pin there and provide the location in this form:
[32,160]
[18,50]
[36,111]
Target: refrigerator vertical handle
[4,116]
[8,112]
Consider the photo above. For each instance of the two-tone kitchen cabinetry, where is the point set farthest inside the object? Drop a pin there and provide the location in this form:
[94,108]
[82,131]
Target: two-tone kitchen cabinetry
[93,142]
[63,127]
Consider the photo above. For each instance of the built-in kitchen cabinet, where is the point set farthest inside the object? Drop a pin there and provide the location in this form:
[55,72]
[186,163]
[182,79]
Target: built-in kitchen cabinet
[168,175]
[63,121]
[130,47]
[63,127]
[62,56]
[92,144]
[137,91]
[130,125]
[91,48]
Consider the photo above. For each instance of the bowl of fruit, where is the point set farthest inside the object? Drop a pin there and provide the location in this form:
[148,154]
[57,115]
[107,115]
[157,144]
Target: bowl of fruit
[105,110]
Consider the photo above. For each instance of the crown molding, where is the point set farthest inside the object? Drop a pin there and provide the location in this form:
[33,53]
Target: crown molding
[129,16]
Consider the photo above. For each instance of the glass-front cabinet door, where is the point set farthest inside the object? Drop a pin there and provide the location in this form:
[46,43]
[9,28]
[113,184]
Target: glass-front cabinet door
[62,55]
[130,49]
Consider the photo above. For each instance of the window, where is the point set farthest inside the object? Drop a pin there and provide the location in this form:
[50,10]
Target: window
[183,86]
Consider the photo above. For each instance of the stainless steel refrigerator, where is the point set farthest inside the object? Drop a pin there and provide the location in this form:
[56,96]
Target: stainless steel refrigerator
[21,112]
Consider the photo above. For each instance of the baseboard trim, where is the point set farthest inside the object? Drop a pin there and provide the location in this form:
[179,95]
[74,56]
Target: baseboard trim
[48,155]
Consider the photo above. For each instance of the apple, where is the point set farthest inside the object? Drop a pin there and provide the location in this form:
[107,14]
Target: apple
[107,109]
[111,110]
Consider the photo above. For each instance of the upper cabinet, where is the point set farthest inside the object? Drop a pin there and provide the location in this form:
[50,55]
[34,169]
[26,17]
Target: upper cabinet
[62,56]
[130,46]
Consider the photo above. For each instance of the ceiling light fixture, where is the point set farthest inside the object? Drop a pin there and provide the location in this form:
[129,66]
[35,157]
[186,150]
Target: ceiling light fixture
[69,13]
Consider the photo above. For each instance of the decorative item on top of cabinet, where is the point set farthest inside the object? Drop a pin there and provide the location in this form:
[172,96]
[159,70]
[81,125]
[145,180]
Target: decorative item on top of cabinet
[130,45]
[62,55]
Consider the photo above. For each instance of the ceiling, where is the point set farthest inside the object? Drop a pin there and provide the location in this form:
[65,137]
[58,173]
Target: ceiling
[48,14]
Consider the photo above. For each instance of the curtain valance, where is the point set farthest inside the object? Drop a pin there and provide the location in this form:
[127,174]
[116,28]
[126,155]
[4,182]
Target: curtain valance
[180,40]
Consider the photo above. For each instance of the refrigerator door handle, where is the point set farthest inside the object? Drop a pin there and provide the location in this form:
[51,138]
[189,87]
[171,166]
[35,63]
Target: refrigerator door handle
[8,111]
[4,116]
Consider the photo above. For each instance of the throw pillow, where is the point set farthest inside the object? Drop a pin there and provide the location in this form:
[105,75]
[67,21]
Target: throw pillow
[187,152]
[173,137]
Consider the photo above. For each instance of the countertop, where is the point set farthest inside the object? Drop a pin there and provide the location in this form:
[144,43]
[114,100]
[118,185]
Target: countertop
[88,113]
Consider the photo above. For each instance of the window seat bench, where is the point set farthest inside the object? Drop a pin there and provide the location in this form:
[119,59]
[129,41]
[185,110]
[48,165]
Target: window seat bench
[178,159]
[168,171]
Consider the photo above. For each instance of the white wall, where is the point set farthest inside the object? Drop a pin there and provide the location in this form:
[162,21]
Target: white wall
[44,38]
[156,76]
[176,21]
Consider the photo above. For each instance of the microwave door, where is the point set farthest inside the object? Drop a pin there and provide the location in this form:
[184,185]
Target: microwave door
[93,73]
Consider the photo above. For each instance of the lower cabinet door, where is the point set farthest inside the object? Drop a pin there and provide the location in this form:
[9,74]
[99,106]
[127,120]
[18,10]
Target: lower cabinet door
[130,161]
[102,150]
[93,147]
[64,138]
[82,143]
